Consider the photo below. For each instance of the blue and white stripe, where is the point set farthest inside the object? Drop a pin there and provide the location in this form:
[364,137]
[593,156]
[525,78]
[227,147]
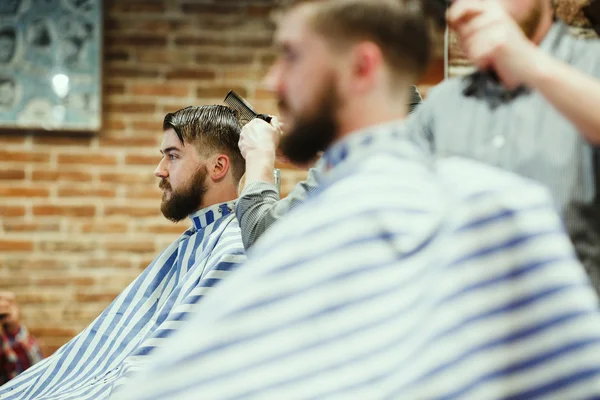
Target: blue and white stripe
[140,319]
[402,278]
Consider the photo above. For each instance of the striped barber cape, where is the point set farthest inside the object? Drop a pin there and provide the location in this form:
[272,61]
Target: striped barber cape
[402,278]
[142,317]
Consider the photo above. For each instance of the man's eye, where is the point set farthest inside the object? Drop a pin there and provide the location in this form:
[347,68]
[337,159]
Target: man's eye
[172,156]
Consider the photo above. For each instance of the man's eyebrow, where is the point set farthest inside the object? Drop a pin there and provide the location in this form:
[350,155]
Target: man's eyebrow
[169,150]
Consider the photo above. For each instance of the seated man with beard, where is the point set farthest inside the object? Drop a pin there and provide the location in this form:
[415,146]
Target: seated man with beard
[199,171]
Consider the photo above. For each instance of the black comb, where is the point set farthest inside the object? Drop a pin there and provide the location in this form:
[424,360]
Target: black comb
[245,111]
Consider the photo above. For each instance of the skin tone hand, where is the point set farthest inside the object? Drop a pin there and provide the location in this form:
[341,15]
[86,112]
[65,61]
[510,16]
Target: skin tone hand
[9,312]
[258,144]
[491,39]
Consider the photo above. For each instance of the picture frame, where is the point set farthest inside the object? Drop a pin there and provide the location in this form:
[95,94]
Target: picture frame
[51,65]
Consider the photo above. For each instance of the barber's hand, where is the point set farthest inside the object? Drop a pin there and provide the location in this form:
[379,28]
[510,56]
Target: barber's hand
[9,312]
[491,39]
[260,137]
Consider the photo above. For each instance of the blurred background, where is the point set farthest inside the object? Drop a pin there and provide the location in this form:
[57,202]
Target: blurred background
[79,210]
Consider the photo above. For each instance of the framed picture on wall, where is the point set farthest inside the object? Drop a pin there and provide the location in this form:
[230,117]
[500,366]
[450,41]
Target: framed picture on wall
[51,64]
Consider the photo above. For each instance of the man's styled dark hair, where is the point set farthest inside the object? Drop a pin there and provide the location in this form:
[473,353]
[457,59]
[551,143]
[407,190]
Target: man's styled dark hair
[399,27]
[212,129]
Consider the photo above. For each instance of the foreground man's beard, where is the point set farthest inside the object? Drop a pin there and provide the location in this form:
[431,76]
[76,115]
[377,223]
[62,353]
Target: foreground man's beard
[184,201]
[313,133]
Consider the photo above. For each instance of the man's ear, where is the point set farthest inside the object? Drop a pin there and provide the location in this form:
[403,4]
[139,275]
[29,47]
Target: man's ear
[220,167]
[365,59]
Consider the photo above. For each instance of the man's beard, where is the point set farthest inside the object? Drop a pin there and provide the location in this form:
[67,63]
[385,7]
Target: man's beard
[311,134]
[532,21]
[186,200]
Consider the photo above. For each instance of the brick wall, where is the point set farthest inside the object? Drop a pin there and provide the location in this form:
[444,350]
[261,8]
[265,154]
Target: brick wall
[79,216]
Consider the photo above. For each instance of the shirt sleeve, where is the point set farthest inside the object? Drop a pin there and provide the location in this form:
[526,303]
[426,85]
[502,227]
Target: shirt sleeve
[19,352]
[259,206]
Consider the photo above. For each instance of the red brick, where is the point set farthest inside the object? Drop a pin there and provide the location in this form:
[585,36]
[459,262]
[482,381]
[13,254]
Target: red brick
[31,227]
[12,211]
[218,58]
[86,297]
[136,40]
[67,176]
[132,247]
[219,91]
[114,88]
[144,193]
[12,139]
[115,55]
[22,156]
[83,158]
[208,9]
[113,71]
[12,174]
[23,192]
[162,90]
[51,331]
[128,178]
[14,281]
[133,211]
[105,227]
[131,108]
[130,142]
[83,140]
[83,192]
[161,56]
[108,263]
[33,263]
[65,211]
[145,125]
[136,7]
[67,246]
[167,228]
[142,159]
[191,73]
[15,245]
[50,281]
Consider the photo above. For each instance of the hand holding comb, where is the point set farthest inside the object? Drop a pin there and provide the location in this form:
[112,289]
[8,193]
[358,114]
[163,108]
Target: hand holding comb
[245,114]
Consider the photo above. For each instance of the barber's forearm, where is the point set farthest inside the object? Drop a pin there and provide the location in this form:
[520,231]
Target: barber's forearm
[572,92]
[259,167]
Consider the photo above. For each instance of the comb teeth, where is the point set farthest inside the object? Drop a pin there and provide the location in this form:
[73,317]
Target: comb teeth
[244,110]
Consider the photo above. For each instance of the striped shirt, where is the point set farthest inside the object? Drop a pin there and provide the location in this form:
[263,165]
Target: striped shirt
[259,205]
[525,134]
[399,278]
[142,317]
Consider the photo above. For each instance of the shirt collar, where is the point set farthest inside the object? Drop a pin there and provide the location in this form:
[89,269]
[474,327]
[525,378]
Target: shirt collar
[202,218]
[390,137]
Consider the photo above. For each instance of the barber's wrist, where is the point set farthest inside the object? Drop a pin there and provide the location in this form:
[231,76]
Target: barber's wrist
[539,71]
[260,155]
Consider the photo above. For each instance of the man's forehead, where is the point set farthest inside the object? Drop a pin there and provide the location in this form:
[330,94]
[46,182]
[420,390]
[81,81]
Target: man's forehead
[170,140]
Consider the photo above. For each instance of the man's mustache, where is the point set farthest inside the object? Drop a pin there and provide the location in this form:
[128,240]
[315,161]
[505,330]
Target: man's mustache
[164,185]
